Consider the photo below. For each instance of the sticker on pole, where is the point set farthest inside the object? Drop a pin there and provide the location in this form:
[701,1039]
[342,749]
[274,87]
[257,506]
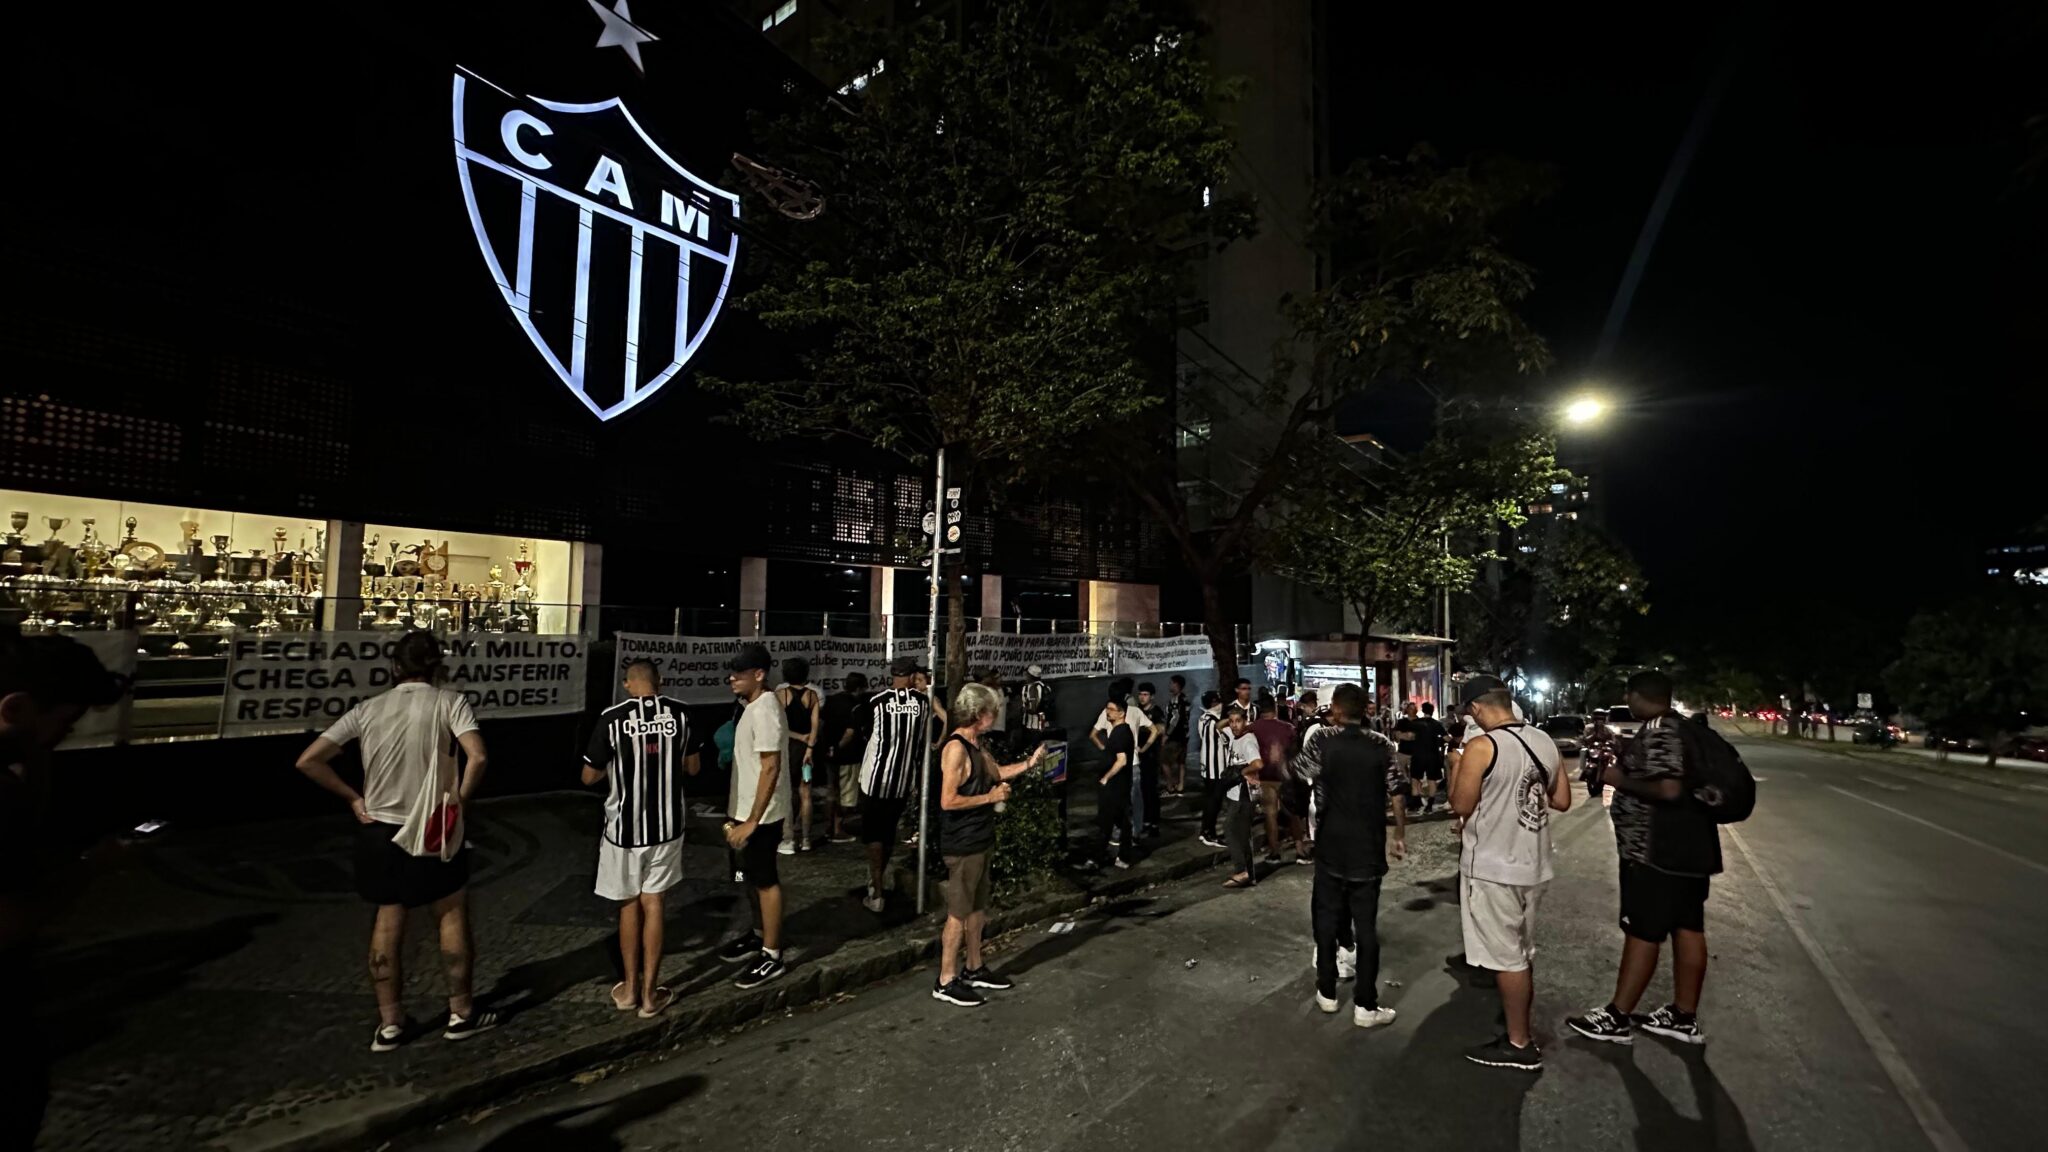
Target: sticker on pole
[931,523]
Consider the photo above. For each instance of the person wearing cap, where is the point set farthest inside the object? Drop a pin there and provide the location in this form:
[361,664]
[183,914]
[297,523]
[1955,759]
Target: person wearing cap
[760,740]
[1503,789]
[897,757]
[47,684]
[1034,696]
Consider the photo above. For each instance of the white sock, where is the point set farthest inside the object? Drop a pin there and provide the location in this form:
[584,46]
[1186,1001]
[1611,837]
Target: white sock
[772,953]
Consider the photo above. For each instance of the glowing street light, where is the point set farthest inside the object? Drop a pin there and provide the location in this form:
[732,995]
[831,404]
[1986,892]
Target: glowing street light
[1585,410]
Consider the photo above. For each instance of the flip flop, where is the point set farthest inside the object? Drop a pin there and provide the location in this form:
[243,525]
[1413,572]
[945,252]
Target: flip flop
[626,1005]
[658,1002]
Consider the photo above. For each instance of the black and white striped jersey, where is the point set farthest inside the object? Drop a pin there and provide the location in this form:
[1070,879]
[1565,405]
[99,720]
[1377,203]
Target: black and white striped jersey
[640,744]
[1215,742]
[899,743]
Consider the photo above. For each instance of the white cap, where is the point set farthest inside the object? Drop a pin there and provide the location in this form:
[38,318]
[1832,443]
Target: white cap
[1032,671]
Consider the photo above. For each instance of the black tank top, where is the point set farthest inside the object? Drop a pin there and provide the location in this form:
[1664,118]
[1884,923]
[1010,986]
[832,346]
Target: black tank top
[969,830]
[798,709]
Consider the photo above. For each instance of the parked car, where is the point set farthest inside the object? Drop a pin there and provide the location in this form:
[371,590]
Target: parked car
[1568,732]
[1623,722]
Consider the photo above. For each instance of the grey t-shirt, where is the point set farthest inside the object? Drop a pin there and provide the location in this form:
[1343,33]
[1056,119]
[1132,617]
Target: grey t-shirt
[1507,840]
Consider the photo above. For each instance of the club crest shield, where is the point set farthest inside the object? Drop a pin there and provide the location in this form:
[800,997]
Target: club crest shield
[613,257]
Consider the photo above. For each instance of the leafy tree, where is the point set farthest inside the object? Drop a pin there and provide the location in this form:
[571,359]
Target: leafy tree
[1560,609]
[1422,291]
[1008,211]
[1385,539]
[1978,668]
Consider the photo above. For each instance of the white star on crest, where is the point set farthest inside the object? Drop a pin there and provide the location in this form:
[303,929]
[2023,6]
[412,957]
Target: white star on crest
[621,32]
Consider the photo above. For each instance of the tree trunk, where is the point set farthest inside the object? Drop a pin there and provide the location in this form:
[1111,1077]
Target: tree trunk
[1222,631]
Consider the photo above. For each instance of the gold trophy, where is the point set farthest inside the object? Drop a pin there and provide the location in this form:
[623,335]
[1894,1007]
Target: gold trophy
[56,524]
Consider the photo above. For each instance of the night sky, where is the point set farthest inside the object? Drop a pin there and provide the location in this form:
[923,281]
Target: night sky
[1831,377]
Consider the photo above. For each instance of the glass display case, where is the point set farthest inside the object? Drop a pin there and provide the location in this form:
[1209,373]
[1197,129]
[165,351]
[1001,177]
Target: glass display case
[448,582]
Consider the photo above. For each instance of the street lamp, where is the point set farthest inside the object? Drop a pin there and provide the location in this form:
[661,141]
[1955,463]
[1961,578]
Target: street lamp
[1584,411]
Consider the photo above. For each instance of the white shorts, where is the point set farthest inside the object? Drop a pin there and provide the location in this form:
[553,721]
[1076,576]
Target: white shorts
[624,873]
[1500,923]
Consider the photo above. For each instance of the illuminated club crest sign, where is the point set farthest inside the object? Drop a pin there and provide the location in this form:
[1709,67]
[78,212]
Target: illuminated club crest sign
[614,258]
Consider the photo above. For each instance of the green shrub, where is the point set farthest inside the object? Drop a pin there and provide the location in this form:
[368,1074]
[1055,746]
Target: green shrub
[1030,837]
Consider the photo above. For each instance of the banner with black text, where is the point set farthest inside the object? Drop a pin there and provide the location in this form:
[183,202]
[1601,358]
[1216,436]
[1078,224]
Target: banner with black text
[693,668]
[305,681]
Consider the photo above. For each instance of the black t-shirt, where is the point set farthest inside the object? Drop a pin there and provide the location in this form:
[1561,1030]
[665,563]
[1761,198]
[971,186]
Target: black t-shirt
[838,715]
[1429,742]
[1120,739]
[1348,767]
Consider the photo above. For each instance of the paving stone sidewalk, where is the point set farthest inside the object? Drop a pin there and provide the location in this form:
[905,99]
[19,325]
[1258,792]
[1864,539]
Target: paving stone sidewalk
[210,991]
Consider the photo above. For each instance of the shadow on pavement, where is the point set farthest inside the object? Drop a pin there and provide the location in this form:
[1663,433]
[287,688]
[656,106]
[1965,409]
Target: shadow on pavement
[594,1126]
[1441,891]
[1487,1113]
[1660,1126]
[96,985]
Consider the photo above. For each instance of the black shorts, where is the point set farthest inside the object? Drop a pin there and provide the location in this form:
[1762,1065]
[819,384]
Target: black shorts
[879,818]
[1655,904]
[757,859]
[1432,771]
[387,874]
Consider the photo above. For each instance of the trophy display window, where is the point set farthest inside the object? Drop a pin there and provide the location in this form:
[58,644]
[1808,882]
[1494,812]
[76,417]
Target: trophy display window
[182,577]
[421,578]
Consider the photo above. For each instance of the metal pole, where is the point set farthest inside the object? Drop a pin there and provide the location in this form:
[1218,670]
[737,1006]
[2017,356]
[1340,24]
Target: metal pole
[931,645]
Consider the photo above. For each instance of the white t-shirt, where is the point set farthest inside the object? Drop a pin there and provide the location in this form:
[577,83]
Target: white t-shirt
[408,736]
[763,728]
[1243,750]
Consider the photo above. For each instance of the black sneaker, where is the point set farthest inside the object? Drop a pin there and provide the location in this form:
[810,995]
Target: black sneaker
[958,993]
[763,970]
[1499,1053]
[983,978]
[388,1037]
[1604,1024]
[460,1028]
[1671,1024]
[744,948]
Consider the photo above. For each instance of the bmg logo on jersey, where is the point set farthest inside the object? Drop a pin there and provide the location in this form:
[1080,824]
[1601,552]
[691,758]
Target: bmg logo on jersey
[613,258]
[634,727]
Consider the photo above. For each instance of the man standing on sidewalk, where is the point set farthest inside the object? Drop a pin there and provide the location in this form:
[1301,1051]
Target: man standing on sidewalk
[1243,779]
[47,683]
[899,748]
[841,736]
[759,743]
[1668,848]
[972,788]
[1347,766]
[1214,748]
[410,850]
[1178,714]
[1505,787]
[642,745]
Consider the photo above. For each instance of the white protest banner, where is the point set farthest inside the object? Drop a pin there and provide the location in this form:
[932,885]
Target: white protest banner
[103,726]
[693,667]
[296,682]
[1056,654]
[1164,654]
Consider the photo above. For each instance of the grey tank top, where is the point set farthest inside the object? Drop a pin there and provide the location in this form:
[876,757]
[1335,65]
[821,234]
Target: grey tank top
[1507,840]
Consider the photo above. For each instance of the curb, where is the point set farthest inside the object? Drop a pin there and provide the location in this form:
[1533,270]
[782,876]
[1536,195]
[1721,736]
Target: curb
[1982,775]
[367,1123]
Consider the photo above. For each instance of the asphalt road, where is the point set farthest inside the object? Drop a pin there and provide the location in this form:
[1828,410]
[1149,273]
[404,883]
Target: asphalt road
[1869,940]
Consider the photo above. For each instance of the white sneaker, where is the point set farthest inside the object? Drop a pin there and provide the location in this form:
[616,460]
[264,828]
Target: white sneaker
[1326,1003]
[1347,963]
[786,848]
[872,901]
[1372,1017]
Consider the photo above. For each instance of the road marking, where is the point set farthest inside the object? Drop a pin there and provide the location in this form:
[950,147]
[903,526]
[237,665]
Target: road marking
[2015,857]
[1925,1111]
[1884,784]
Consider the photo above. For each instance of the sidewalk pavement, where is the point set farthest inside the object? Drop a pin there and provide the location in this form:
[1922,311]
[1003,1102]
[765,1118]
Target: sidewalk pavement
[2009,773]
[211,990]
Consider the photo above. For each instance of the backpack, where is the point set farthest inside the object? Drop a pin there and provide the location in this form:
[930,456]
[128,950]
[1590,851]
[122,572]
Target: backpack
[1721,783]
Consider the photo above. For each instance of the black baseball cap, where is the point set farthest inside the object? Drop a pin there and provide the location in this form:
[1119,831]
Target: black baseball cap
[750,658]
[903,666]
[1472,689]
